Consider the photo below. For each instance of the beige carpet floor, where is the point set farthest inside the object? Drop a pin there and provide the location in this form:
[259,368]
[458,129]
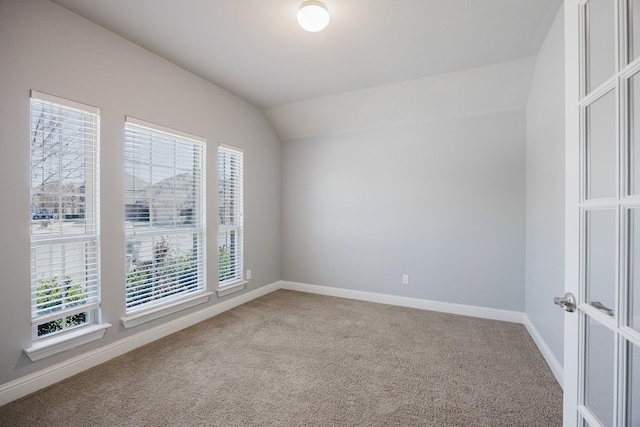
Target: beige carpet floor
[296,359]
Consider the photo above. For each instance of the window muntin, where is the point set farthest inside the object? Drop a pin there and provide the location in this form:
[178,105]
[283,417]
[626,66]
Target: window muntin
[164,215]
[230,215]
[64,232]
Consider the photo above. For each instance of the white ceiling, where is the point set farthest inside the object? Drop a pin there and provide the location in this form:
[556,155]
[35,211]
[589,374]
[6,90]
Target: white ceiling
[255,49]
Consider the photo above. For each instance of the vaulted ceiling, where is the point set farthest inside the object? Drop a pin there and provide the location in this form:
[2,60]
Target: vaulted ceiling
[255,48]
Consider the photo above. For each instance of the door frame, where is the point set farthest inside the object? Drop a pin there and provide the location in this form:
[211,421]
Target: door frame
[572,210]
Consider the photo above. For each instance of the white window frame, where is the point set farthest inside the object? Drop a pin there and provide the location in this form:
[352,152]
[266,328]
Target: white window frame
[174,295]
[65,253]
[230,219]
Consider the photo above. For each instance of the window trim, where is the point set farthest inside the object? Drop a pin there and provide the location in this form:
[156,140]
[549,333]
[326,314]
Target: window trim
[63,342]
[238,283]
[65,102]
[92,329]
[156,312]
[152,311]
[164,129]
[231,288]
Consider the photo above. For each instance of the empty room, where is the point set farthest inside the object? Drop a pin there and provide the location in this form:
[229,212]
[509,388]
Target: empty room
[335,212]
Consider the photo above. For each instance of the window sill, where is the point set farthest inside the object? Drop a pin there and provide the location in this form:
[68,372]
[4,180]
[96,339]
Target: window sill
[164,310]
[231,288]
[62,342]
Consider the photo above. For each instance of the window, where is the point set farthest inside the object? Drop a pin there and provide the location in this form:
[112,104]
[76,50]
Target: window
[65,263]
[230,215]
[164,215]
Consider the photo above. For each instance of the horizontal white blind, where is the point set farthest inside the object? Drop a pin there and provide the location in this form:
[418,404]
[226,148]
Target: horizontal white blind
[230,215]
[65,268]
[164,215]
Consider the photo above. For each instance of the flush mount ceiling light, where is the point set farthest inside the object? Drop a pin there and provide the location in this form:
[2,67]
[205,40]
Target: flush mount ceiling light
[313,16]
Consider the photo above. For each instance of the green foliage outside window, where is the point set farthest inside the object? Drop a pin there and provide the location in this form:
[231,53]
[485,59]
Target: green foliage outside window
[225,266]
[169,272]
[52,296]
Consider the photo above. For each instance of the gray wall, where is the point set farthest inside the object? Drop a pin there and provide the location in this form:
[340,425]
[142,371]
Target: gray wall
[442,201]
[49,49]
[545,191]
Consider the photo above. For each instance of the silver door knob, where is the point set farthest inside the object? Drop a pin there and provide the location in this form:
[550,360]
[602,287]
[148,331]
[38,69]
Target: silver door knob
[567,303]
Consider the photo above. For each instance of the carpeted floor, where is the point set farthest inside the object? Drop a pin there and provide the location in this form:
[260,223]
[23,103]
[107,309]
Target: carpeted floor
[292,359]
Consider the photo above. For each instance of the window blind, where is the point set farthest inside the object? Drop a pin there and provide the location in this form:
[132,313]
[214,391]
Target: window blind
[230,215]
[65,262]
[164,214]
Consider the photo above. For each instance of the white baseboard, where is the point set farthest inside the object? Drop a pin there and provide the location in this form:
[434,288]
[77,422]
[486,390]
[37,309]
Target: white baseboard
[35,381]
[552,361]
[445,307]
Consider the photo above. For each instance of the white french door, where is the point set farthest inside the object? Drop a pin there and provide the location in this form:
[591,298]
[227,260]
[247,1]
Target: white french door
[602,336]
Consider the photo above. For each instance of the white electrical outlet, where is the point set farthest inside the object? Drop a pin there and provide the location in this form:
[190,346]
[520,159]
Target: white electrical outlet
[248,274]
[405,279]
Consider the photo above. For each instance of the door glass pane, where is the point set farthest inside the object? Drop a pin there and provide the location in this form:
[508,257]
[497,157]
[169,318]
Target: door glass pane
[600,262]
[601,147]
[633,398]
[599,371]
[634,24]
[634,132]
[634,269]
[601,42]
